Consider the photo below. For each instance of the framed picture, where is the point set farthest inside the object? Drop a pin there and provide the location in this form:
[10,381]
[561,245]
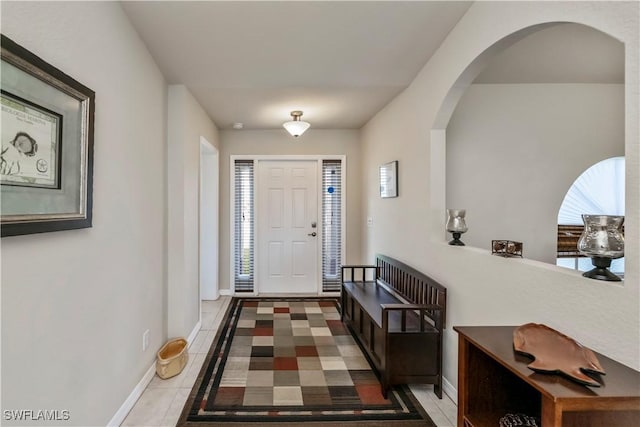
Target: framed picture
[389,179]
[46,162]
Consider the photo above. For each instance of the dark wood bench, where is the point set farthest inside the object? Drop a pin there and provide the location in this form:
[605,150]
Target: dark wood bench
[397,314]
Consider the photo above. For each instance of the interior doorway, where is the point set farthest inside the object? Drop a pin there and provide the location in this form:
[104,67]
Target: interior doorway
[209,238]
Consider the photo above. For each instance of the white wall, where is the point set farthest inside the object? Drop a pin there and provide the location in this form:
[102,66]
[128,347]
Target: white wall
[187,122]
[76,303]
[513,151]
[209,218]
[484,289]
[279,142]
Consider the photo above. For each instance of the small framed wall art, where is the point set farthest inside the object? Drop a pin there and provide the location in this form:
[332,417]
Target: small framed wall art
[46,166]
[389,179]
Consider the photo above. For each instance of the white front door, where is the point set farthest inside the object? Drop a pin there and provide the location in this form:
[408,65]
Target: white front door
[288,226]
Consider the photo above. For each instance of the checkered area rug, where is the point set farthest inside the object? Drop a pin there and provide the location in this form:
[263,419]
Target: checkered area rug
[288,361]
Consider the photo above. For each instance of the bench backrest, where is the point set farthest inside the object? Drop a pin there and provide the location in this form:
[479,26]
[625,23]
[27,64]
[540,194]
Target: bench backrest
[413,286]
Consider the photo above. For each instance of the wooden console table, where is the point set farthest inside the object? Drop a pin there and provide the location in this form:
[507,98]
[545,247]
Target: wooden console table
[494,380]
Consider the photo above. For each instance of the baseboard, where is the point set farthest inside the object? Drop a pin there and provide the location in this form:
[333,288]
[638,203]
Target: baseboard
[128,404]
[450,390]
[225,292]
[194,333]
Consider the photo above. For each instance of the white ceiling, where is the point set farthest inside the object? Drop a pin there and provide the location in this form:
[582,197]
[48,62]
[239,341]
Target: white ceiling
[338,61]
[255,62]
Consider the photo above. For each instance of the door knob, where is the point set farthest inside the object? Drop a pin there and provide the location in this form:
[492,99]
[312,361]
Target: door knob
[314,234]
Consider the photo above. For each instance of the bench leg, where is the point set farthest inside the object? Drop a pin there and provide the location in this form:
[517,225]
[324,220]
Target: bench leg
[385,382]
[437,388]
[385,389]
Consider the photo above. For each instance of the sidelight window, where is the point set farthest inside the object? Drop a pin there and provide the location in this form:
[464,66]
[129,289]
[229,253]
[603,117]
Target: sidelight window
[244,229]
[332,225]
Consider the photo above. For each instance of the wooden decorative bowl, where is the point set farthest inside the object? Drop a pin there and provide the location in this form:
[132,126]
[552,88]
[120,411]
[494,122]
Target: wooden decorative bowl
[555,352]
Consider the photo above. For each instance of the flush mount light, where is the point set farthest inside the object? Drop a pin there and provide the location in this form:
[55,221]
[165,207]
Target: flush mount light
[296,127]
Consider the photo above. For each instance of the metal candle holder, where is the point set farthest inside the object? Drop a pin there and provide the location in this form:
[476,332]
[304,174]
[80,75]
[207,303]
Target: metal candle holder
[602,240]
[456,225]
[506,248]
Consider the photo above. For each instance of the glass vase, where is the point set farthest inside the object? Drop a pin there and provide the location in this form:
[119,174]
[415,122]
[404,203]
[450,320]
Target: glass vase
[602,240]
[456,225]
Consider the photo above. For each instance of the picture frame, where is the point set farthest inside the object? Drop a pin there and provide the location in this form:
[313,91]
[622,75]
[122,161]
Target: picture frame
[389,180]
[46,162]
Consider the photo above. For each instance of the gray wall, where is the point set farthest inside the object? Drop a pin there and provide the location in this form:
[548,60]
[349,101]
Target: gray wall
[279,142]
[513,151]
[76,303]
[187,122]
[485,289]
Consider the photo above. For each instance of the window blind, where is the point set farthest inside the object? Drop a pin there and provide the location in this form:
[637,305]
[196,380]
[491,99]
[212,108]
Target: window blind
[332,225]
[244,237]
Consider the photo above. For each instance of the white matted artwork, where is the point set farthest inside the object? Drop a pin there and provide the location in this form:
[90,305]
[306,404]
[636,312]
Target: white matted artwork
[46,162]
[30,143]
[389,179]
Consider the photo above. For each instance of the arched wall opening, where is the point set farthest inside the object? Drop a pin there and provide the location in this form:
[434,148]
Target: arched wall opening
[517,145]
[489,290]
[537,116]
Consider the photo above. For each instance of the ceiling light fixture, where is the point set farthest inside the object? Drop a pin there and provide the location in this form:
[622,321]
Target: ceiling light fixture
[296,127]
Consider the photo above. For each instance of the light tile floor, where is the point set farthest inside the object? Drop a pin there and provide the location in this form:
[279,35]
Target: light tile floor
[162,401]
